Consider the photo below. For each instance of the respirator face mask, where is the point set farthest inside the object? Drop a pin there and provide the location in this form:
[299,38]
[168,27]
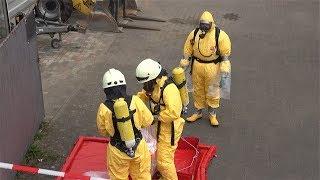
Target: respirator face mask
[204,26]
[149,86]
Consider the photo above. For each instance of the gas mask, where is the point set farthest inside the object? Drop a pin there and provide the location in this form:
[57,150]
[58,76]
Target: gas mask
[204,26]
[149,86]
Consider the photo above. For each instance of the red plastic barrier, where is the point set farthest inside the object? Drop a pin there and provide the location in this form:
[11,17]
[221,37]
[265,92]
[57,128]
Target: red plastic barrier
[187,158]
[89,154]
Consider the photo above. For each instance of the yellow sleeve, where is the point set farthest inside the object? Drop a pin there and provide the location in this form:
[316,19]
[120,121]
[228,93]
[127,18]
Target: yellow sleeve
[143,115]
[188,48]
[143,96]
[224,44]
[104,121]
[225,50]
[173,104]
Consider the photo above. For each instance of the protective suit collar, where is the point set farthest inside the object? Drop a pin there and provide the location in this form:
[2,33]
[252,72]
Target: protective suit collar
[157,88]
[160,82]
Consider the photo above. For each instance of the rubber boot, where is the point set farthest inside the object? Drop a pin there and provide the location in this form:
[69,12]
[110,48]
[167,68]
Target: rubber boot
[213,120]
[197,115]
[213,116]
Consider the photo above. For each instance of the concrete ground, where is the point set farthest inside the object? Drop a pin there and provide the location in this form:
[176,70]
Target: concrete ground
[270,127]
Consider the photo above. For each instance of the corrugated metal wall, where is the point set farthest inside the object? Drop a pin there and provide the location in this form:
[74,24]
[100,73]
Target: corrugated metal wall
[21,101]
[4,20]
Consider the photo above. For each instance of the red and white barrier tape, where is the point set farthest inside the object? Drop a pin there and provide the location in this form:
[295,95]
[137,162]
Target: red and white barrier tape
[33,170]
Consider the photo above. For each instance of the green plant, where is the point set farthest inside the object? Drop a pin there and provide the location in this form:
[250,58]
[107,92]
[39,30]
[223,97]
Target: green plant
[34,152]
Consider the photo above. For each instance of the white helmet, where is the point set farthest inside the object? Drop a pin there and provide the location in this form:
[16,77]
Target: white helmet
[148,70]
[113,78]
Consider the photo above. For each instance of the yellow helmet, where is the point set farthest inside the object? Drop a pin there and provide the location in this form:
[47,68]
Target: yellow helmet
[207,17]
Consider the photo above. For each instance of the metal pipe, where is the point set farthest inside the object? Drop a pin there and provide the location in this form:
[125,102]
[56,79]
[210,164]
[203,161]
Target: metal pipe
[145,18]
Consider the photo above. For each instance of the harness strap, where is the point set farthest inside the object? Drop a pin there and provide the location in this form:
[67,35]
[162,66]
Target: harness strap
[217,34]
[218,60]
[195,32]
[172,133]
[115,140]
[215,61]
[179,86]
[166,83]
[127,118]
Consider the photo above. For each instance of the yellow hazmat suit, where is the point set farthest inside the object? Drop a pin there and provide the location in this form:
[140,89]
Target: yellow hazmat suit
[207,74]
[169,112]
[120,165]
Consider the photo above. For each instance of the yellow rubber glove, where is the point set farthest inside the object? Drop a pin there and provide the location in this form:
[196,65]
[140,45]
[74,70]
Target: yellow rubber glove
[184,63]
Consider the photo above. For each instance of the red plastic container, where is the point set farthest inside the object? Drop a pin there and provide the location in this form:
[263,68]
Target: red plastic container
[89,154]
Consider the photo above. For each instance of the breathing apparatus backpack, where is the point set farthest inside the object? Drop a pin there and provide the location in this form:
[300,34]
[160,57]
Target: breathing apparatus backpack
[179,79]
[126,136]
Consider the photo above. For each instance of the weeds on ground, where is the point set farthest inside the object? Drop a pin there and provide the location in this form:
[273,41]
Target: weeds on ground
[36,154]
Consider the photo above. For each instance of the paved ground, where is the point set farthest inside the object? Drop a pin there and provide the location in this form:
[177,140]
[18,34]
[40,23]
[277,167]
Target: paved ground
[269,129]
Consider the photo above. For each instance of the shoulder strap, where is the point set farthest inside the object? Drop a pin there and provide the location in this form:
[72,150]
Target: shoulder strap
[179,86]
[110,104]
[217,33]
[137,133]
[195,32]
[128,100]
[116,135]
[166,83]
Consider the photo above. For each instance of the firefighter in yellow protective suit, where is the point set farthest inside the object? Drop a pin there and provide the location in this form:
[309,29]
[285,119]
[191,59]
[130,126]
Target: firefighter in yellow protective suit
[122,160]
[207,49]
[165,101]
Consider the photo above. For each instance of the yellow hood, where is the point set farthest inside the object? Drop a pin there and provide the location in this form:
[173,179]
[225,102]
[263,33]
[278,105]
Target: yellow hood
[207,16]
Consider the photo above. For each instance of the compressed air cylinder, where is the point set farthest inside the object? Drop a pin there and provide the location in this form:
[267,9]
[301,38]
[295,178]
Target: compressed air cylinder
[125,128]
[179,78]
